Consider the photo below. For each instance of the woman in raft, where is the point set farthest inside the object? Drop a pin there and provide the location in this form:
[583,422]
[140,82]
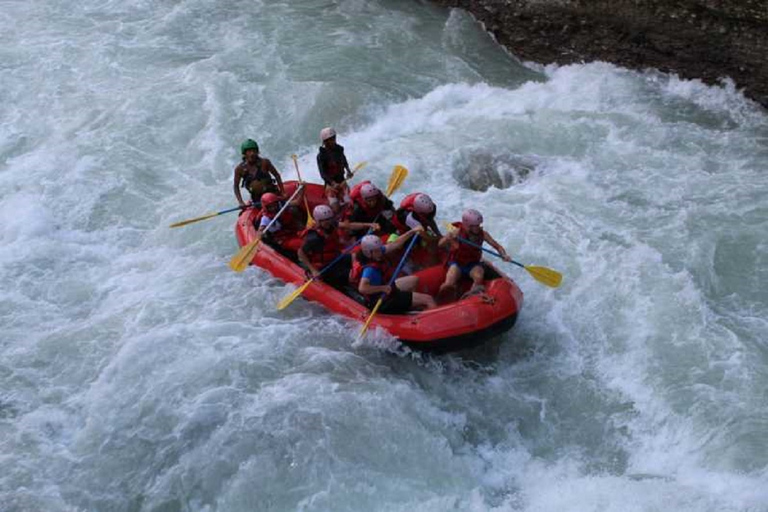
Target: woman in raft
[464,259]
[371,271]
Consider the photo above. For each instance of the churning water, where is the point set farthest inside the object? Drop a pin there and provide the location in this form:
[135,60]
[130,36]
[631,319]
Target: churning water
[139,373]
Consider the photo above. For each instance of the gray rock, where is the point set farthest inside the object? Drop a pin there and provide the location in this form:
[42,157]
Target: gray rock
[480,169]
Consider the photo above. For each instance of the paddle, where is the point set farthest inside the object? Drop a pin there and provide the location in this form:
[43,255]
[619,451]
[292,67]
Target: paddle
[391,280]
[210,215]
[395,180]
[288,299]
[399,173]
[310,220]
[543,275]
[358,167]
[242,259]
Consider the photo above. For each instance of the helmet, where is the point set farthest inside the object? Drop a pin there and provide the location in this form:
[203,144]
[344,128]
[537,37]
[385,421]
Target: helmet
[370,243]
[423,204]
[327,133]
[248,144]
[471,218]
[323,212]
[269,199]
[369,191]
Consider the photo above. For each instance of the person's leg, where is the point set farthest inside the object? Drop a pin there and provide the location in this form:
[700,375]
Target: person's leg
[477,274]
[407,283]
[451,277]
[422,300]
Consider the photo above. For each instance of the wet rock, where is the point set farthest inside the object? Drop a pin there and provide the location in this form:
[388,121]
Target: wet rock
[705,39]
[480,170]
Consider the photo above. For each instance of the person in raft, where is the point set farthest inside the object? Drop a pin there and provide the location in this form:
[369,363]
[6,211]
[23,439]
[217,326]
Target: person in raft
[416,210]
[372,271]
[281,234]
[334,169]
[255,174]
[464,260]
[369,204]
[323,243]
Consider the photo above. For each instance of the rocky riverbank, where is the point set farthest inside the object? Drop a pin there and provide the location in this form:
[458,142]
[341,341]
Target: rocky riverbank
[705,39]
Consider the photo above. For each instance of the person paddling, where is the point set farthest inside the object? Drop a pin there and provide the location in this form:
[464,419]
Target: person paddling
[464,260]
[323,242]
[334,169]
[278,234]
[369,204]
[416,210]
[255,174]
[372,270]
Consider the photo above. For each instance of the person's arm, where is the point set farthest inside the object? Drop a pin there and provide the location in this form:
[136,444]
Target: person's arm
[309,246]
[488,238]
[346,164]
[271,170]
[321,168]
[402,239]
[448,240]
[238,178]
[366,288]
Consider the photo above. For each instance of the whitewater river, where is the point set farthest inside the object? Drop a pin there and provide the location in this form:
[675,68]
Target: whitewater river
[139,373]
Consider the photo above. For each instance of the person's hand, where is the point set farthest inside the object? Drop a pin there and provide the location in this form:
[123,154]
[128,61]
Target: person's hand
[506,257]
[386,289]
[349,174]
[374,226]
[315,272]
[418,230]
[452,234]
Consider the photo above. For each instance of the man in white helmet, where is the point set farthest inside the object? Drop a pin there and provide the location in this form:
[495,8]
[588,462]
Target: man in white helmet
[334,169]
[372,271]
[323,243]
[465,260]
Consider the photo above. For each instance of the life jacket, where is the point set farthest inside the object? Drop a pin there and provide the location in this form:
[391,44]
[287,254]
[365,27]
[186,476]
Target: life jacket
[383,266]
[331,247]
[462,253]
[259,182]
[331,163]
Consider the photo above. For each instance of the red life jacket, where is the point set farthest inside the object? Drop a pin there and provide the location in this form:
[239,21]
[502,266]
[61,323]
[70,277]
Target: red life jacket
[383,266]
[464,254]
[331,247]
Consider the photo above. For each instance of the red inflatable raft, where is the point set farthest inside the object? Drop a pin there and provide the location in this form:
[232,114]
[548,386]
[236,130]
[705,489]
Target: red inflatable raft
[452,326]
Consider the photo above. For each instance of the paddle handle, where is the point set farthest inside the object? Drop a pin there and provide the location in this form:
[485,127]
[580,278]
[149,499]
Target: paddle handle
[402,260]
[465,241]
[232,209]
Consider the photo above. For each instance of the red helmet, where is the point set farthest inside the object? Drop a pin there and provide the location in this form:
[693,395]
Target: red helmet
[269,199]
[423,204]
[471,218]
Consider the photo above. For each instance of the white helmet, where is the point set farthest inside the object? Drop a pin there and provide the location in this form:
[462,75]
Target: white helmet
[323,212]
[370,243]
[471,218]
[327,133]
[423,204]
[369,191]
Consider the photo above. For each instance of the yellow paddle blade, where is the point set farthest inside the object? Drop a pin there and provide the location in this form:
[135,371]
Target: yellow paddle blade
[286,301]
[545,275]
[358,167]
[242,259]
[190,221]
[399,173]
[370,317]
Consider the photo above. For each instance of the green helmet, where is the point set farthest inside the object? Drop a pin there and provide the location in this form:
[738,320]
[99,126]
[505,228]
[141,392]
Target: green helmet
[248,144]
